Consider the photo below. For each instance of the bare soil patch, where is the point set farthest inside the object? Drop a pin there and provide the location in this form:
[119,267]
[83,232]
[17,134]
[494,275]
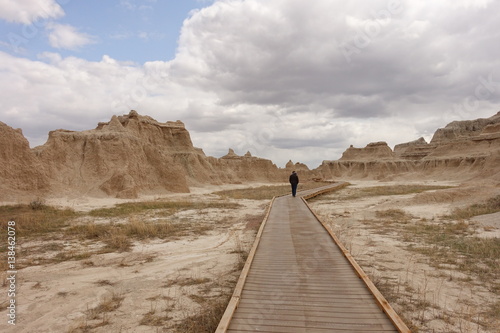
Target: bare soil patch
[169,263]
[157,264]
[437,266]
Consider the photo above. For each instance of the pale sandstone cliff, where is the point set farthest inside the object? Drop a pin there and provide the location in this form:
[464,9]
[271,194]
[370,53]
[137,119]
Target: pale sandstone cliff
[133,154]
[20,170]
[462,150]
[128,155]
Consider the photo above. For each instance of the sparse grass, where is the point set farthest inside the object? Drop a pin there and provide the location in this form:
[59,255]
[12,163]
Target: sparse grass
[392,292]
[207,319]
[356,193]
[73,237]
[388,221]
[37,204]
[450,244]
[98,316]
[397,215]
[66,256]
[153,319]
[253,221]
[453,244]
[89,230]
[107,304]
[489,207]
[144,230]
[493,314]
[266,192]
[255,193]
[118,237]
[103,283]
[186,282]
[198,299]
[129,208]
[35,222]
[116,241]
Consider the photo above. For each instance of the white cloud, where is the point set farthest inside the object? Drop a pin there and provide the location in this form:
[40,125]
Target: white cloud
[64,36]
[28,11]
[271,77]
[137,4]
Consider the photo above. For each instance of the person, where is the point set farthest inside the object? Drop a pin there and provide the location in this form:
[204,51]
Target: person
[294,181]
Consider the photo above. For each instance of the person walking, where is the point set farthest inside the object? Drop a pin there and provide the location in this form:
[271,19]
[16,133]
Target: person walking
[294,181]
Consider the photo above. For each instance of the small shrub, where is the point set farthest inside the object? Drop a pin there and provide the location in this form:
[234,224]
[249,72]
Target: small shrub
[207,319]
[37,204]
[116,240]
[393,214]
[492,205]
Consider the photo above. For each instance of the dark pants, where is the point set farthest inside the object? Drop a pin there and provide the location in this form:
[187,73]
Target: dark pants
[294,189]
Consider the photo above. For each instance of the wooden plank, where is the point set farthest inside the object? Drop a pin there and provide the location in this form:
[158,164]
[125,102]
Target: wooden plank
[382,302]
[300,280]
[235,298]
[339,312]
[310,322]
[273,327]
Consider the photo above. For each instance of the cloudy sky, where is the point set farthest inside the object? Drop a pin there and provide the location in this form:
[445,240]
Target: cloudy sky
[283,79]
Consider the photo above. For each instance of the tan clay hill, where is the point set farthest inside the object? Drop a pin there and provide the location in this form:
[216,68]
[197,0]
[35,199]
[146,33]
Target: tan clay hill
[463,150]
[125,157]
[133,154]
[20,170]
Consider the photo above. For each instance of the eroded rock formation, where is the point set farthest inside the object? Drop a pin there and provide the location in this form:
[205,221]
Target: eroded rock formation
[134,154]
[461,150]
[128,155]
[20,170]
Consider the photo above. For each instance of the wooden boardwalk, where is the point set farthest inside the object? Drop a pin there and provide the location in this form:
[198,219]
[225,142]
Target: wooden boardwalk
[299,279]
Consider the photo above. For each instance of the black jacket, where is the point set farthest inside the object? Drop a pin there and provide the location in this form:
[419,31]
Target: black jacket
[294,179]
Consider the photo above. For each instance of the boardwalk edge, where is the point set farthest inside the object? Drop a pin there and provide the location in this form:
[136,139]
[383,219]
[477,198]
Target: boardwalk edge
[235,298]
[380,299]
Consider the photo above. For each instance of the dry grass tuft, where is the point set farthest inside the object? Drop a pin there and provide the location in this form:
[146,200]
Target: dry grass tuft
[356,193]
[186,282]
[398,215]
[32,222]
[103,283]
[166,207]
[98,316]
[108,304]
[207,319]
[153,319]
[489,207]
[116,240]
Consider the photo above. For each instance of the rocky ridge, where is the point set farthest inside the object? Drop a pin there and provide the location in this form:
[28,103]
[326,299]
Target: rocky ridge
[134,154]
[461,150]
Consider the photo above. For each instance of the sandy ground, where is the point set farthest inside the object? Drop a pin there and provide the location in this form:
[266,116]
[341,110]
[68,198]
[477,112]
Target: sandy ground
[158,279]
[435,299]
[162,280]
